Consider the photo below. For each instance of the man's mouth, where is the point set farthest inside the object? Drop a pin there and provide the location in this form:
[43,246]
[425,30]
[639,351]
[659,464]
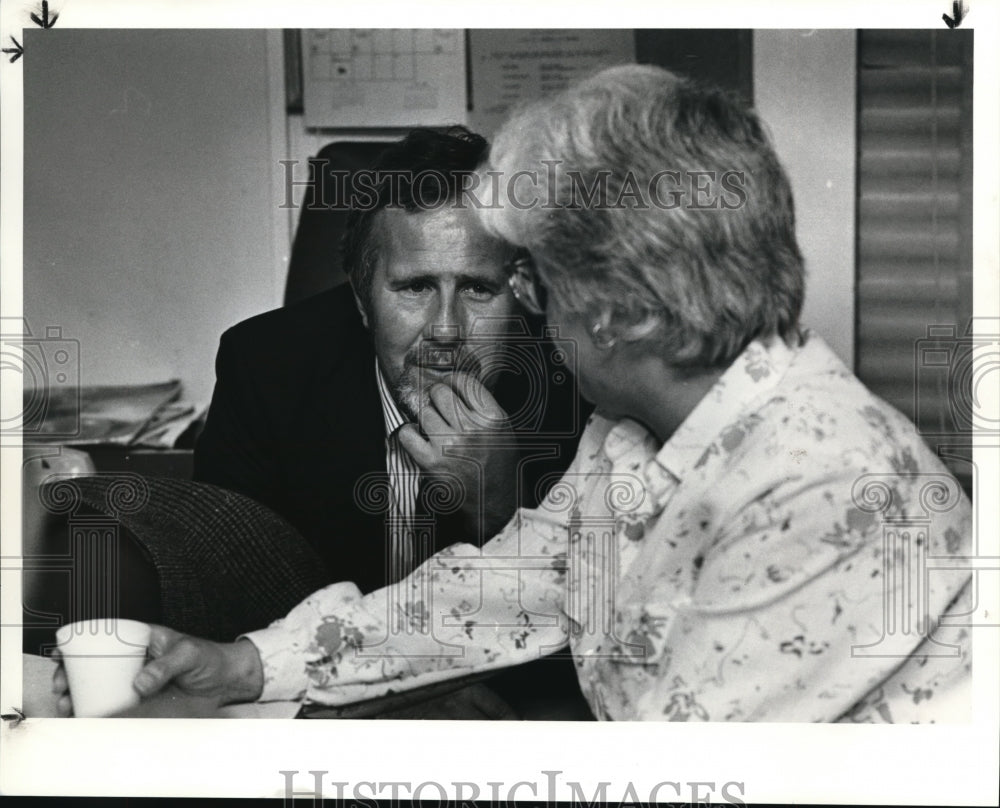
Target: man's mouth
[434,373]
[440,359]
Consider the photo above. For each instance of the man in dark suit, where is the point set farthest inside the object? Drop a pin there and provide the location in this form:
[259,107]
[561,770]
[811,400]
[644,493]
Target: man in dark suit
[416,407]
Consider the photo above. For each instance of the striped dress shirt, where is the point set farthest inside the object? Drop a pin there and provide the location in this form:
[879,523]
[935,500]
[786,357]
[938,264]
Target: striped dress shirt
[404,485]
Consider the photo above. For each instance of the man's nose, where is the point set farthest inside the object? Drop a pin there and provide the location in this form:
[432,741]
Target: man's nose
[448,322]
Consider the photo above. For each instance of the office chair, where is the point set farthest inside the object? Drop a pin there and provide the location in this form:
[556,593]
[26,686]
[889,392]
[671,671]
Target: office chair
[316,263]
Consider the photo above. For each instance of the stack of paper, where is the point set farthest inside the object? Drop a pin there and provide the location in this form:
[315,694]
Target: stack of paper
[119,415]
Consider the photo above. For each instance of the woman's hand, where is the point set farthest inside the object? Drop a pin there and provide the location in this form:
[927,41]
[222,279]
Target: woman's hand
[64,705]
[231,672]
[227,672]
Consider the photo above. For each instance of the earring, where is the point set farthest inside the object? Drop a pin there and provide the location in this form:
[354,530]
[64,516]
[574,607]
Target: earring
[601,340]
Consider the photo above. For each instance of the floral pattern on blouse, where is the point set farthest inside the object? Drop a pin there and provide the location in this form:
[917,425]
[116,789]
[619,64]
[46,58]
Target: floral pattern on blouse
[765,564]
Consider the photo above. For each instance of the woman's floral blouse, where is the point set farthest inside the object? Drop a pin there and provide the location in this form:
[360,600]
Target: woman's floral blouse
[775,560]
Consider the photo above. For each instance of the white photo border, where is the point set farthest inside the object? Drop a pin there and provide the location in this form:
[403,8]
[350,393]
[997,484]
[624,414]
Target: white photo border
[933,765]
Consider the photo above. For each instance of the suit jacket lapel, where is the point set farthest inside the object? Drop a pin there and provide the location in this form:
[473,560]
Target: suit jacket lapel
[349,406]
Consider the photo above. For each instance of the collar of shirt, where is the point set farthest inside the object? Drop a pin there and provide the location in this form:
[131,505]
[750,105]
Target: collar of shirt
[757,370]
[390,410]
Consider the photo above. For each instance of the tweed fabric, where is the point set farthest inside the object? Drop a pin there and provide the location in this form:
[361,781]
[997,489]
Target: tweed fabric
[226,564]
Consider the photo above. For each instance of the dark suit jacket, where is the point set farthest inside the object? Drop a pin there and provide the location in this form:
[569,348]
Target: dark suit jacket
[296,423]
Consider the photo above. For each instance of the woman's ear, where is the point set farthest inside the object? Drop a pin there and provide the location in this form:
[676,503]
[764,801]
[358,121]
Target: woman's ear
[611,327]
[639,328]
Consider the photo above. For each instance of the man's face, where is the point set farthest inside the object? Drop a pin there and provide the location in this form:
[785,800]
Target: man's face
[439,281]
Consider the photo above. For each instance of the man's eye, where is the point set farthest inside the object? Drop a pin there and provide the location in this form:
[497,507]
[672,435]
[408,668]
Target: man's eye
[480,290]
[416,287]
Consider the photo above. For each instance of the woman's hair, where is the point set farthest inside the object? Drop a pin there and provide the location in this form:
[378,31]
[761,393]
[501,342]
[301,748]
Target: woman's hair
[654,196]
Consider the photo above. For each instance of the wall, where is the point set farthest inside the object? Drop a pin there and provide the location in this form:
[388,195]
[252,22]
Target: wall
[148,226]
[805,88]
[151,223]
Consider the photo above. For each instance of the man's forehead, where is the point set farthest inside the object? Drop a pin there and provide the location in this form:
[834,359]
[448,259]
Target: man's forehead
[406,236]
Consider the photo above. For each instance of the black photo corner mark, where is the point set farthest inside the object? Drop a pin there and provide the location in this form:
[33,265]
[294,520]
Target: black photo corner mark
[959,10]
[44,21]
[15,717]
[17,51]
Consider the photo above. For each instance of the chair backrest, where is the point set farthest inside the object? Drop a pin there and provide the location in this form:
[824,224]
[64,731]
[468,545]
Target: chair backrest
[225,564]
[316,262]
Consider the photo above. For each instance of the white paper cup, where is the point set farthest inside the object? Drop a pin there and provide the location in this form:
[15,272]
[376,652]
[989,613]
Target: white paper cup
[101,658]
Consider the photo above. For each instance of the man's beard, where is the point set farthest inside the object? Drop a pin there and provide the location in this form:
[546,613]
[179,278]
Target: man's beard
[411,390]
[410,397]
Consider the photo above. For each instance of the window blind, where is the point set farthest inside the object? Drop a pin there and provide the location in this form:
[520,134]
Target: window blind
[914,262]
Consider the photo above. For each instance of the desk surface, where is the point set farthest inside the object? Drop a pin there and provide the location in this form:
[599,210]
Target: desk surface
[426,702]
[40,701]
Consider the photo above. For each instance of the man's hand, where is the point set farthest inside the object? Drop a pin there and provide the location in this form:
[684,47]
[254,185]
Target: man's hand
[465,419]
[226,672]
